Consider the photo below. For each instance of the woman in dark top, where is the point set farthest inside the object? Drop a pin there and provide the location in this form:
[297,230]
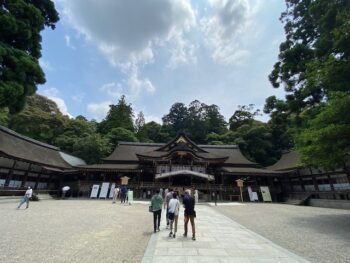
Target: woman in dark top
[190,213]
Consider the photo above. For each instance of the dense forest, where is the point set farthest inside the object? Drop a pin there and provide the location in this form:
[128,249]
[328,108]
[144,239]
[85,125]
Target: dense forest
[313,67]
[42,120]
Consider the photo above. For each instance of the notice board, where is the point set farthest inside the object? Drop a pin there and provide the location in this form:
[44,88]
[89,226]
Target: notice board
[94,191]
[104,190]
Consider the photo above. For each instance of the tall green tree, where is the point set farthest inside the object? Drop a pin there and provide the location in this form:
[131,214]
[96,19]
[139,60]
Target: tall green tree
[245,114]
[176,119]
[314,60]
[41,120]
[21,22]
[120,115]
[324,142]
[92,148]
[120,134]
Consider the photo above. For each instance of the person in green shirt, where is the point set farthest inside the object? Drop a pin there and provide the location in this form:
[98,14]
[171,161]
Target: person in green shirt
[156,203]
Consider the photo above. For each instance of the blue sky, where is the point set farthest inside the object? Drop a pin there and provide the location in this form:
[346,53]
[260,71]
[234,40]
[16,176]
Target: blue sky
[158,52]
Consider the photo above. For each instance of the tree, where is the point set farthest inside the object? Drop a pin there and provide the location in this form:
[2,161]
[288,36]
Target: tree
[41,120]
[120,134]
[92,148]
[153,132]
[314,60]
[119,115]
[214,120]
[20,48]
[140,121]
[244,115]
[325,141]
[176,118]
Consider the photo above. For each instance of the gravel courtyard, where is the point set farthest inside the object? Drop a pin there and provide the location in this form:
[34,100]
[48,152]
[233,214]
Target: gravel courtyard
[317,234]
[74,231]
[99,231]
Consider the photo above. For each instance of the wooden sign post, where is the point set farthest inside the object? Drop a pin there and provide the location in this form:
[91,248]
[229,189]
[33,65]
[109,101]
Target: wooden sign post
[240,185]
[124,180]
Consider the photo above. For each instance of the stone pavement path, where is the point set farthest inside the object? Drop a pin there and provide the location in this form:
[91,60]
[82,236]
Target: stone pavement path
[219,239]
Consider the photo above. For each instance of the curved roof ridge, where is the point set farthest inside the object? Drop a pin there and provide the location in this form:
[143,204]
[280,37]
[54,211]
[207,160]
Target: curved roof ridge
[22,137]
[140,143]
[226,146]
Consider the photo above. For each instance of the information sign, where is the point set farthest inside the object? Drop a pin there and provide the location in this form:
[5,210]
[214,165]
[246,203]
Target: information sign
[265,192]
[104,190]
[94,191]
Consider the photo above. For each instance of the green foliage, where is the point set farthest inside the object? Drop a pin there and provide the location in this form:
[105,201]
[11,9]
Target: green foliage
[20,48]
[197,120]
[314,62]
[314,59]
[120,134]
[153,132]
[40,120]
[4,117]
[325,140]
[119,115]
[92,148]
[244,115]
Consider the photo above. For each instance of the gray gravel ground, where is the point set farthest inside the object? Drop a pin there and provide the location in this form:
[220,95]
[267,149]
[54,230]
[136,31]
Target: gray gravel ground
[74,231]
[317,234]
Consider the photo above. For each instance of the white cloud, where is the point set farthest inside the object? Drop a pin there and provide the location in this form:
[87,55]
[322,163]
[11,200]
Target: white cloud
[68,42]
[112,89]
[226,29]
[52,94]
[129,30]
[99,110]
[78,97]
[138,85]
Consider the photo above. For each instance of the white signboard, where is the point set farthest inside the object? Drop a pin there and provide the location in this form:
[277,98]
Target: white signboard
[265,192]
[104,190]
[111,192]
[253,196]
[2,182]
[130,196]
[94,191]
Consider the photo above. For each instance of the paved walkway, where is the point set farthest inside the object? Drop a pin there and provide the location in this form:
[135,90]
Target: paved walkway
[219,239]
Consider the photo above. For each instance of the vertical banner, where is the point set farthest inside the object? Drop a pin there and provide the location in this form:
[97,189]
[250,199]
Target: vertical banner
[111,192]
[130,196]
[94,191]
[104,190]
[265,192]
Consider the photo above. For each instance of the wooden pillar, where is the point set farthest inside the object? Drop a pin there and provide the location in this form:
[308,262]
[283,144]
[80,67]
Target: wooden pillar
[38,178]
[330,182]
[26,176]
[315,182]
[9,175]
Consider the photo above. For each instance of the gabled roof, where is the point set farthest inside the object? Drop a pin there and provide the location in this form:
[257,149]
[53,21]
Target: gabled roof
[22,148]
[126,151]
[129,151]
[289,161]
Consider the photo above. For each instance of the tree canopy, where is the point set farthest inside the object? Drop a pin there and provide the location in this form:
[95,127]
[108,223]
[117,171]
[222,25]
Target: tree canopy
[21,22]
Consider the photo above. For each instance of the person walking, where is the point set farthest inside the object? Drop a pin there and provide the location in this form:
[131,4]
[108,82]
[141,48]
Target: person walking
[174,208]
[168,197]
[156,204]
[190,213]
[25,199]
[124,191]
[115,194]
